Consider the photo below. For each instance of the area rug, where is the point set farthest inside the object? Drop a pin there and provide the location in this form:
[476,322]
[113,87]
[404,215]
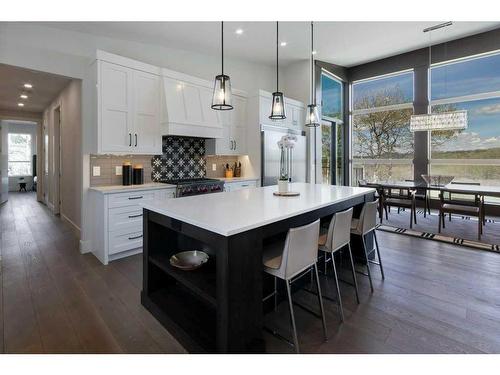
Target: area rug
[441,238]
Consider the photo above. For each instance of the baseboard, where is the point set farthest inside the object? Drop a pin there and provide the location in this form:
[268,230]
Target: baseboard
[85,246]
[75,227]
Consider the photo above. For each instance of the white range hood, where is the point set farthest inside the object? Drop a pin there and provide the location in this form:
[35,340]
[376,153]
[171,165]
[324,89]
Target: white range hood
[186,110]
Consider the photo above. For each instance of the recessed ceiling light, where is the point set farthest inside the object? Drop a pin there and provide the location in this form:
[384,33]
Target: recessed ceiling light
[239,31]
[283,44]
[23,96]
[20,104]
[314,52]
[28,85]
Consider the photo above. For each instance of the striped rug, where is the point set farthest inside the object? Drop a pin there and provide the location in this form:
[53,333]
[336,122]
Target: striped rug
[441,238]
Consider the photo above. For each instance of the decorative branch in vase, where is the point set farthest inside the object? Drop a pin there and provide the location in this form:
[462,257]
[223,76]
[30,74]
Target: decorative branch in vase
[286,145]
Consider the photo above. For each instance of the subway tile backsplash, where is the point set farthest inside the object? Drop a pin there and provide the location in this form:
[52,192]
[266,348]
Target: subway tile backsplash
[109,162]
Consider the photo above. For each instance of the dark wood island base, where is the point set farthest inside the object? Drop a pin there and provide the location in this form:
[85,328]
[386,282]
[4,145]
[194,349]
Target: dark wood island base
[218,307]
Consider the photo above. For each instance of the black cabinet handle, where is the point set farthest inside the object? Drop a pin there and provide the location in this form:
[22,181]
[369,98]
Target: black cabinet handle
[129,139]
[135,237]
[139,197]
[135,139]
[235,145]
[132,216]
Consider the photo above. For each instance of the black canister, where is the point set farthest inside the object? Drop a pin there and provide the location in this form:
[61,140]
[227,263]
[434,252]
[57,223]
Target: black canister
[127,173]
[138,174]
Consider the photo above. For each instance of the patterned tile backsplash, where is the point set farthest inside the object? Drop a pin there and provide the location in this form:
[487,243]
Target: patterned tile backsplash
[182,158]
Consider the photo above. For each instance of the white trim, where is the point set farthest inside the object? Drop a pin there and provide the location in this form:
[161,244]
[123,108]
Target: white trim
[392,107]
[465,161]
[466,58]
[387,75]
[466,98]
[69,221]
[85,246]
[126,62]
[359,161]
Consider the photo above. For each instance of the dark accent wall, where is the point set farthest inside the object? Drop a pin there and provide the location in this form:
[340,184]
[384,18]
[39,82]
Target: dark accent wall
[182,158]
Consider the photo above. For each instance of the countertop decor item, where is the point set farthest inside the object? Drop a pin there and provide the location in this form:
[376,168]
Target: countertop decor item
[228,171]
[286,145]
[189,260]
[286,194]
[127,173]
[237,169]
[138,174]
[221,100]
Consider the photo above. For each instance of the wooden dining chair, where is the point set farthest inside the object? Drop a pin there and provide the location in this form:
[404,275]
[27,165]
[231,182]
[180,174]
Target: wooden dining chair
[450,206]
[423,195]
[379,196]
[467,202]
[404,199]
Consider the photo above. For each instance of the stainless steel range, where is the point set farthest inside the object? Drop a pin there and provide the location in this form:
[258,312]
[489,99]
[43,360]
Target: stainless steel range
[196,186]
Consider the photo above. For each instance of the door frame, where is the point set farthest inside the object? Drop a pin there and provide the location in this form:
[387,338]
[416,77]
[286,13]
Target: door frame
[56,158]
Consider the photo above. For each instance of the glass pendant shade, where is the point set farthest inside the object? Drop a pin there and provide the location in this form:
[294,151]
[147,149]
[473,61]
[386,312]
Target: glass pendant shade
[222,99]
[312,119]
[456,120]
[277,107]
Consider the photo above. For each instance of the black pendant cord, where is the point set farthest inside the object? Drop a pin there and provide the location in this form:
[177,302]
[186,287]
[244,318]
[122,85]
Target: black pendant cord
[222,46]
[277,58]
[313,96]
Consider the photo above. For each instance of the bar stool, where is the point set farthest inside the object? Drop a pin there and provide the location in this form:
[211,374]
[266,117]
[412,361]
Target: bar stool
[297,258]
[339,236]
[366,224]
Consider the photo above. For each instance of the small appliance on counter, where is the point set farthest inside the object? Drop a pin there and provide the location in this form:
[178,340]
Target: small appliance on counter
[127,178]
[138,174]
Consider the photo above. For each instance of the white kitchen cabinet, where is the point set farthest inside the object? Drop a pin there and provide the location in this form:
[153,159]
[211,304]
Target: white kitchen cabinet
[233,141]
[127,106]
[239,185]
[117,219]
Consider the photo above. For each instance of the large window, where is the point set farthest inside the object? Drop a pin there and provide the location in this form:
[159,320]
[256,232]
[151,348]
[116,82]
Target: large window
[20,155]
[332,133]
[473,85]
[382,144]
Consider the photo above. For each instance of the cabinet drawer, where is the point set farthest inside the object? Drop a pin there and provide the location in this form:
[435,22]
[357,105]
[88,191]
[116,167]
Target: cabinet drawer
[124,240]
[130,199]
[128,217]
[233,186]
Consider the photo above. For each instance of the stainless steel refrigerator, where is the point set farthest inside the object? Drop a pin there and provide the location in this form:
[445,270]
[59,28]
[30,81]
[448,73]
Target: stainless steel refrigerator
[270,136]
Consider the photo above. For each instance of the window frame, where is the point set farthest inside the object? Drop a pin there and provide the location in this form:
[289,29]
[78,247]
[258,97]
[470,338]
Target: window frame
[30,161]
[458,99]
[393,107]
[341,83]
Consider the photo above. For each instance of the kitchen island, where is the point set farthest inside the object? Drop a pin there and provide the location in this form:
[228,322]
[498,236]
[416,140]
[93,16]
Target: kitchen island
[218,307]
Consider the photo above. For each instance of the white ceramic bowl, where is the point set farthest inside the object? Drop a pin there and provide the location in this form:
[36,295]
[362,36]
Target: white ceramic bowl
[189,260]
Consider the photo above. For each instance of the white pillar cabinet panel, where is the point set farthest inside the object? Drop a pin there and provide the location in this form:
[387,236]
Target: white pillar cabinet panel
[192,100]
[115,108]
[147,134]
[175,112]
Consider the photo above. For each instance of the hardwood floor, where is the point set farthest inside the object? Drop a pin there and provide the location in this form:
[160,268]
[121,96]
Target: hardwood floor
[436,298]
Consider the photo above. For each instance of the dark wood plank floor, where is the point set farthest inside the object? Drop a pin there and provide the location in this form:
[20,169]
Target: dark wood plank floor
[436,298]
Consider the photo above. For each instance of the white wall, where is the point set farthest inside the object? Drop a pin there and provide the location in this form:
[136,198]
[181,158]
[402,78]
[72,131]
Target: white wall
[23,128]
[70,53]
[69,101]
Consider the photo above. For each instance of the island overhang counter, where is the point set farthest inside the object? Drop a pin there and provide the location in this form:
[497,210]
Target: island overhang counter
[218,307]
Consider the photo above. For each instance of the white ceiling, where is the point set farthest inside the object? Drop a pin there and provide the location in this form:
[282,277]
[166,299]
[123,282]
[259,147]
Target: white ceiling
[45,88]
[342,43]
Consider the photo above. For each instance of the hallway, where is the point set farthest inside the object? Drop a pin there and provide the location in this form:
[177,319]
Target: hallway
[55,300]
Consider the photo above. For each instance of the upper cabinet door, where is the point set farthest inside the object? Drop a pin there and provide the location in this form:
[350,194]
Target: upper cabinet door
[116,117]
[147,135]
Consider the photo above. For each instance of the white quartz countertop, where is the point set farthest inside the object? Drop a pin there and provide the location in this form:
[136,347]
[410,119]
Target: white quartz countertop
[123,189]
[229,213]
[237,179]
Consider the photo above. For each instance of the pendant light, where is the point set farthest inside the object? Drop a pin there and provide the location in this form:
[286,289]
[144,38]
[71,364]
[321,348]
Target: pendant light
[312,116]
[455,120]
[278,105]
[221,100]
